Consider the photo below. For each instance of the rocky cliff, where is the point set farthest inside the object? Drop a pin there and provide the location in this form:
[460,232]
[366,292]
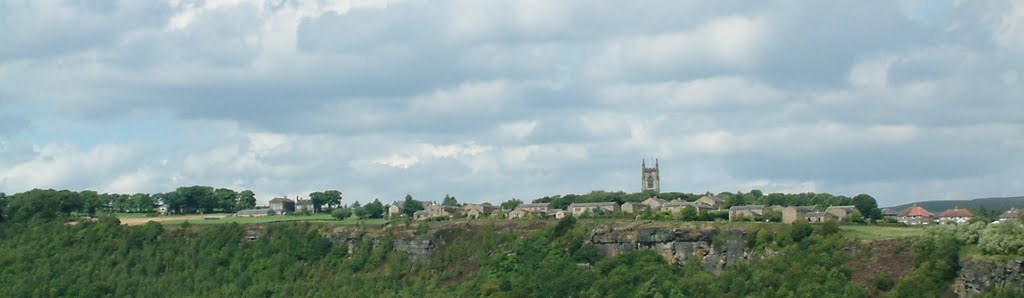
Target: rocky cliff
[677,245]
[714,249]
[416,246]
[977,276]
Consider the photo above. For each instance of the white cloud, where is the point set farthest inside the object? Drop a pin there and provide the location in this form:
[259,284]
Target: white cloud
[728,43]
[517,130]
[426,152]
[728,92]
[57,165]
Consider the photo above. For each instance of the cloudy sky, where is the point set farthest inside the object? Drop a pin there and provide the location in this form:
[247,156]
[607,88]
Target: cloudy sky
[489,100]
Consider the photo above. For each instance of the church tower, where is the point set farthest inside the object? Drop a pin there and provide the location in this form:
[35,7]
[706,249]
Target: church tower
[650,178]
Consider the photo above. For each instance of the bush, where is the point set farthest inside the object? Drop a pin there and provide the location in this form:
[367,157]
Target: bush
[564,226]
[342,213]
[801,229]
[830,227]
[963,233]
[1002,239]
[884,282]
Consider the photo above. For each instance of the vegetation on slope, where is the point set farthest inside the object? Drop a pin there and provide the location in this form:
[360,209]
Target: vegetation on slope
[50,258]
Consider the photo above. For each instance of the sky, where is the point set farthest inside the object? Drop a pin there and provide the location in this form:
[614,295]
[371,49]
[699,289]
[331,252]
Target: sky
[492,100]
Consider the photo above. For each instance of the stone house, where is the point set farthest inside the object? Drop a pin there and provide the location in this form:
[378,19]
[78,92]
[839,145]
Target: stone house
[746,211]
[395,209]
[560,214]
[578,209]
[792,213]
[842,212]
[675,206]
[282,205]
[956,215]
[819,217]
[304,206]
[890,213]
[915,215]
[435,211]
[538,207]
[523,213]
[421,215]
[633,207]
[654,203]
[478,210]
[710,203]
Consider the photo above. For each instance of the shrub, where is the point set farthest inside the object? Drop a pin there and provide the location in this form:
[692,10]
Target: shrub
[1002,239]
[829,228]
[884,282]
[342,213]
[564,226]
[801,229]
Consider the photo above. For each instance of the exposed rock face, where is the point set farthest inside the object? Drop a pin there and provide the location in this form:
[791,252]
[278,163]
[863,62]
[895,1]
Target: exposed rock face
[417,247]
[977,276]
[677,245]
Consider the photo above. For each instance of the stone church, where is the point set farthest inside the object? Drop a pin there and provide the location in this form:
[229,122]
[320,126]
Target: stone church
[650,178]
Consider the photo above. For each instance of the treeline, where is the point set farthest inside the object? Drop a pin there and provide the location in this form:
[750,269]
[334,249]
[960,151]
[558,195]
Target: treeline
[866,204]
[48,204]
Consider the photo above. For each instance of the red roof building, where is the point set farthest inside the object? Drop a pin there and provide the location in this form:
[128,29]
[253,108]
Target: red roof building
[915,215]
[957,212]
[956,215]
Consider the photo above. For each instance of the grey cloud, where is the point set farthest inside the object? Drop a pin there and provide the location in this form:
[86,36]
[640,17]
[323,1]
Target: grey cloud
[40,29]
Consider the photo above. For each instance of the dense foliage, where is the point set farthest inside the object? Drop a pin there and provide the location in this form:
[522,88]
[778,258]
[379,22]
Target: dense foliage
[294,259]
[49,204]
[1005,238]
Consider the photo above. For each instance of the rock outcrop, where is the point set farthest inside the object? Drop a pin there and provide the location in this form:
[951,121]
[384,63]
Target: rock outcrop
[677,245]
[977,276]
[416,246]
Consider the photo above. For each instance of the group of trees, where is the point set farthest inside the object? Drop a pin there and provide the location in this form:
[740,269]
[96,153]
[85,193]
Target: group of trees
[206,199]
[373,209]
[50,204]
[329,198]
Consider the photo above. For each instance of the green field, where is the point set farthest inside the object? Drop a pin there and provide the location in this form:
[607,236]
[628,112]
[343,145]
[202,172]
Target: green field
[880,233]
[326,218]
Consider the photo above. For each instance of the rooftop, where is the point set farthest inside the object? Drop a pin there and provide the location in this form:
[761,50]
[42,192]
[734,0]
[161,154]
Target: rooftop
[593,204]
[747,207]
[957,212]
[916,211]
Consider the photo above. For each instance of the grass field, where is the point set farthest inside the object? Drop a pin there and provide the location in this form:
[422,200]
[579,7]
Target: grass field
[880,233]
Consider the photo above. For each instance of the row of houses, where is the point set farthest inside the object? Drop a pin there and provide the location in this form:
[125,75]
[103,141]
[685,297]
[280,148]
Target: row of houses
[432,210]
[917,215]
[791,214]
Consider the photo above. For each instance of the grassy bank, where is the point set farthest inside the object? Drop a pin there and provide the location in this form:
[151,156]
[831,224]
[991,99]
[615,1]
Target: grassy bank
[880,232]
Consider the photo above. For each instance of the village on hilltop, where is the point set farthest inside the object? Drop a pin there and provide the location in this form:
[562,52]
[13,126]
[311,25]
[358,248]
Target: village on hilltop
[711,205]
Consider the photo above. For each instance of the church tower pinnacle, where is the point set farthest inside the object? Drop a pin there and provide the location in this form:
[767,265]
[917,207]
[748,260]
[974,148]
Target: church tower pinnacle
[650,178]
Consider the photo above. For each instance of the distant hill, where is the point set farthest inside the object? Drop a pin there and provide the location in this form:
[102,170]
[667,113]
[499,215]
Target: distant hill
[989,203]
